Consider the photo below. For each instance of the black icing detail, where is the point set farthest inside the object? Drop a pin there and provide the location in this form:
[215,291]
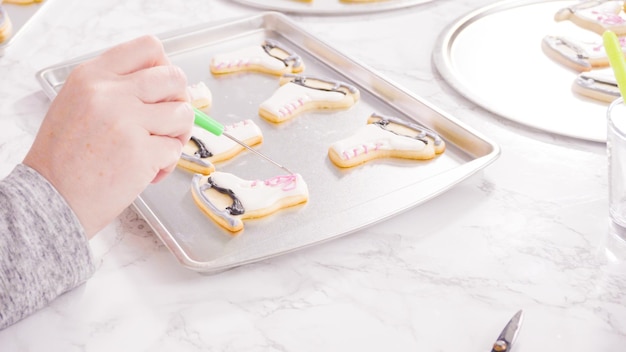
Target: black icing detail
[234,209]
[301,80]
[203,151]
[382,123]
[268,45]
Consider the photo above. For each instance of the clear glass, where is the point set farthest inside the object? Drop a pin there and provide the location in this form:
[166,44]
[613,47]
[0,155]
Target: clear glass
[616,151]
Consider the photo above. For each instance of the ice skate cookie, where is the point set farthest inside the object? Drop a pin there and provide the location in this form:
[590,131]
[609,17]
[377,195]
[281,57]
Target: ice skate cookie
[386,137]
[6,27]
[228,199]
[204,148]
[596,16]
[200,96]
[298,93]
[270,57]
[599,85]
[577,54]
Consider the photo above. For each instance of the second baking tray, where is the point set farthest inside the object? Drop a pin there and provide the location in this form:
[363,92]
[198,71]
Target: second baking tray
[341,200]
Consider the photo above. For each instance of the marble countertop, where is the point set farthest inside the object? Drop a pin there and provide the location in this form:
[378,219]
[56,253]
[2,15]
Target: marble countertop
[530,231]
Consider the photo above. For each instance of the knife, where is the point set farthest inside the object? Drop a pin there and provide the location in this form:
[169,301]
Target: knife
[508,334]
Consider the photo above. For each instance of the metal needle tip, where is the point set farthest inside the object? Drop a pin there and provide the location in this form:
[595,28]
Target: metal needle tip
[257,152]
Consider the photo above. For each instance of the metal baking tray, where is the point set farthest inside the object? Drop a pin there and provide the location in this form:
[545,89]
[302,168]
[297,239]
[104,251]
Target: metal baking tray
[341,201]
[329,7]
[20,16]
[493,57]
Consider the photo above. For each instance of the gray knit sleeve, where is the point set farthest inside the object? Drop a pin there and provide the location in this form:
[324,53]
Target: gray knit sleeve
[43,249]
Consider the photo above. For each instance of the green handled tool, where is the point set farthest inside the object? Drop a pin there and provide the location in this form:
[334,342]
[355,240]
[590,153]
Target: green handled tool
[203,120]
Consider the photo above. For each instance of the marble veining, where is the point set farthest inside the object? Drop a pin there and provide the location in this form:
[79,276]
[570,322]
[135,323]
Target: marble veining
[529,232]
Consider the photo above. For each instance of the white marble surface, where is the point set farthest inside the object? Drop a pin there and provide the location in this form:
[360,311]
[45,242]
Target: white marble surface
[529,232]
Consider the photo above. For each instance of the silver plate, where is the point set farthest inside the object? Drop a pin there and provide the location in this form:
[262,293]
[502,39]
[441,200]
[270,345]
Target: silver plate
[329,7]
[493,57]
[341,201]
[20,16]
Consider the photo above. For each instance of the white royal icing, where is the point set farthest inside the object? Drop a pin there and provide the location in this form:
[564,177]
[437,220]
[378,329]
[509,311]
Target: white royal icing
[245,57]
[287,99]
[200,95]
[242,130]
[256,195]
[606,13]
[370,138]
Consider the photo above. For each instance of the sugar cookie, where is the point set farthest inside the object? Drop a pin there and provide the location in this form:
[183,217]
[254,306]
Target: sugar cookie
[599,85]
[596,16]
[228,199]
[270,57]
[200,96]
[204,148]
[580,55]
[386,137]
[299,93]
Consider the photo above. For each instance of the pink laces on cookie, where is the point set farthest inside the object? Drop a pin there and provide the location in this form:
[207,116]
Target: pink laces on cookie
[290,108]
[348,154]
[229,64]
[287,181]
[237,125]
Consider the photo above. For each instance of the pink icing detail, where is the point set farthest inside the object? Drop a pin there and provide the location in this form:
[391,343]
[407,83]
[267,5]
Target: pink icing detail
[288,182]
[608,18]
[355,151]
[230,64]
[237,125]
[600,46]
[291,107]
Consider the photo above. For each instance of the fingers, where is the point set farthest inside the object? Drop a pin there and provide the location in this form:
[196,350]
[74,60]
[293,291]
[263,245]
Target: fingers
[132,56]
[160,83]
[164,155]
[171,119]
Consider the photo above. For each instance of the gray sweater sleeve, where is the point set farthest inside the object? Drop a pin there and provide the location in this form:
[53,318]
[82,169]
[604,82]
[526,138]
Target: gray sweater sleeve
[43,249]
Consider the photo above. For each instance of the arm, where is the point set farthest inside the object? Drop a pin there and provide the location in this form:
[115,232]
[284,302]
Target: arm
[119,123]
[43,249]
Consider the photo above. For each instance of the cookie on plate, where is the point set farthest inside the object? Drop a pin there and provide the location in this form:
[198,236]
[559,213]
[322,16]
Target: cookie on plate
[386,137]
[599,85]
[596,16]
[578,54]
[299,93]
[228,199]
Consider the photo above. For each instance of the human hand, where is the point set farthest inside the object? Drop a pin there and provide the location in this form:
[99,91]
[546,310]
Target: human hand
[119,123]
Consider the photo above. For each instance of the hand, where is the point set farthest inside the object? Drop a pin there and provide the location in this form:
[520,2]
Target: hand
[119,123]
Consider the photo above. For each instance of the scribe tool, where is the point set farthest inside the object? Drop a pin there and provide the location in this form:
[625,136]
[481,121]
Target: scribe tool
[203,120]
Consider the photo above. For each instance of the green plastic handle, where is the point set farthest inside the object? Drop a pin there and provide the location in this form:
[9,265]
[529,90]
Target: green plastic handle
[616,59]
[203,120]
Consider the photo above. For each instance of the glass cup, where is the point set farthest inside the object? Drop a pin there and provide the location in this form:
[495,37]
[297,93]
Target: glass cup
[616,151]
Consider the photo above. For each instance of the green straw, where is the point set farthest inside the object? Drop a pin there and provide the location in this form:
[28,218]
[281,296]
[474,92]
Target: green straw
[616,59]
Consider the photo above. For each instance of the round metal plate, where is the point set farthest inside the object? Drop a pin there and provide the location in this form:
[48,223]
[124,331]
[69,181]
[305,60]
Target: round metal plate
[329,7]
[493,57]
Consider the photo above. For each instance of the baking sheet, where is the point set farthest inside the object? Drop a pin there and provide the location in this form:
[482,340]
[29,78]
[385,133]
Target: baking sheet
[341,200]
[20,16]
[493,57]
[329,7]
